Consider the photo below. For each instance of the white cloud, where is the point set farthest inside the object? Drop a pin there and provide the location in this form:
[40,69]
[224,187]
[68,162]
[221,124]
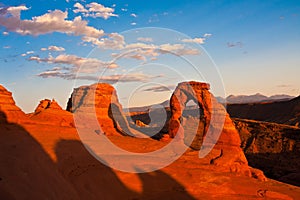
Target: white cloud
[198,40]
[113,41]
[30,52]
[53,48]
[79,8]
[207,35]
[142,51]
[194,40]
[145,39]
[53,21]
[133,15]
[16,10]
[177,49]
[94,10]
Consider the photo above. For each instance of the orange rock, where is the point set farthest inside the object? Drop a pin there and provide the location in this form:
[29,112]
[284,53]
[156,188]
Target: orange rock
[49,112]
[8,107]
[100,99]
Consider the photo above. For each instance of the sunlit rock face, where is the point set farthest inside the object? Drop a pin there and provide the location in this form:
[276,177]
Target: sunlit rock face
[212,124]
[99,101]
[50,112]
[8,107]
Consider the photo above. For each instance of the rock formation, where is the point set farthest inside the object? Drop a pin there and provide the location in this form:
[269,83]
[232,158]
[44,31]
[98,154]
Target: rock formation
[8,107]
[47,104]
[49,112]
[100,100]
[273,148]
[212,119]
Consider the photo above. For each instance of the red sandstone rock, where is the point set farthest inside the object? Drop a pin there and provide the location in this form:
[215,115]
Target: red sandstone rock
[8,107]
[212,119]
[100,100]
[49,112]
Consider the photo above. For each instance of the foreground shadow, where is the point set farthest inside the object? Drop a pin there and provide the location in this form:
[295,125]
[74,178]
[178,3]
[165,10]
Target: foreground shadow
[27,172]
[93,180]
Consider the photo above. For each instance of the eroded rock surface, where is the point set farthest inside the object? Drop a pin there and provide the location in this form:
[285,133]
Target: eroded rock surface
[99,101]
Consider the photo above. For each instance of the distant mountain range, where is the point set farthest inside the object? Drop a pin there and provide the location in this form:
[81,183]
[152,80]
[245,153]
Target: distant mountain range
[255,98]
[231,99]
[282,112]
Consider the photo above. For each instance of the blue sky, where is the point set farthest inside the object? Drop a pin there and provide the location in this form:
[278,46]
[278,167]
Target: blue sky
[47,45]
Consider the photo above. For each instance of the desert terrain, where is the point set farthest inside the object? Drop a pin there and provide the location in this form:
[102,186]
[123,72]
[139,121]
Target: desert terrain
[43,157]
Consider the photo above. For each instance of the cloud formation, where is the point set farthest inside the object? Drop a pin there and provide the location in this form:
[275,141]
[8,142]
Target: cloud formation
[53,48]
[198,40]
[59,73]
[133,15]
[94,10]
[75,63]
[53,21]
[143,51]
[111,41]
[145,39]
[194,40]
[160,88]
[56,21]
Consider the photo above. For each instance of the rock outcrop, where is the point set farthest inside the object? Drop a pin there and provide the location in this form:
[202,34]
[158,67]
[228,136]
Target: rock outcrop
[214,126]
[49,112]
[100,100]
[13,113]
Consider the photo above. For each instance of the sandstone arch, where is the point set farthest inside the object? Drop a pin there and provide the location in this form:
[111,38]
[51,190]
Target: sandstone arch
[186,91]
[217,130]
